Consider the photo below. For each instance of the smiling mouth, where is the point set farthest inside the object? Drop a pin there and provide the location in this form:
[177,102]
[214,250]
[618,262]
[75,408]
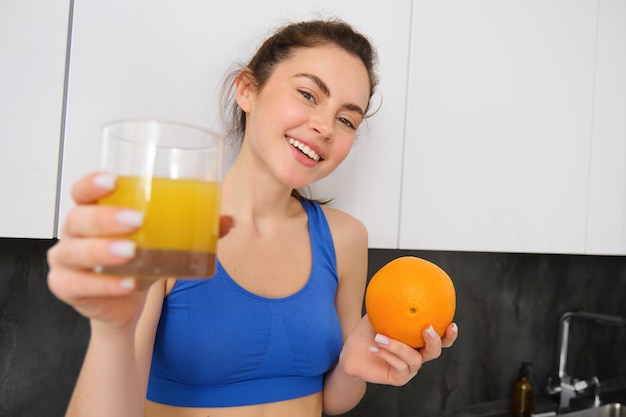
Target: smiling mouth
[304,149]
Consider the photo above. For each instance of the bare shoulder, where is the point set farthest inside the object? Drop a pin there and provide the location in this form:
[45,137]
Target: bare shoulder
[350,240]
[351,249]
[346,229]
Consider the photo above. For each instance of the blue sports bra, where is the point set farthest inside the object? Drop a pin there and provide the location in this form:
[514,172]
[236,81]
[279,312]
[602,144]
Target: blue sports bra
[219,345]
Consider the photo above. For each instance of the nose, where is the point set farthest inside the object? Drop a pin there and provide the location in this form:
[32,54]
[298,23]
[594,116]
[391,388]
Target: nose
[322,123]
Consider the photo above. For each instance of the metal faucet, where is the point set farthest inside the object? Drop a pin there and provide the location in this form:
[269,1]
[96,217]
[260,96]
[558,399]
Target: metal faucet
[564,385]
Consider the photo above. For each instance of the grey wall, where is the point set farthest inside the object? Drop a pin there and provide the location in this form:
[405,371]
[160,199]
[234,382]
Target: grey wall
[508,311]
[42,341]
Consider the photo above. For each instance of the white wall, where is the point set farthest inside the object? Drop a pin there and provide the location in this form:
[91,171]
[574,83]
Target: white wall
[607,183]
[33,41]
[166,60]
[499,123]
[501,129]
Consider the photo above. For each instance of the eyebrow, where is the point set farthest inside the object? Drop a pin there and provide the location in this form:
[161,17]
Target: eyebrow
[322,86]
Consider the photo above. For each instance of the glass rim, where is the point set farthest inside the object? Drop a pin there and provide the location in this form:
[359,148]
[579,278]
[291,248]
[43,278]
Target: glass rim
[115,128]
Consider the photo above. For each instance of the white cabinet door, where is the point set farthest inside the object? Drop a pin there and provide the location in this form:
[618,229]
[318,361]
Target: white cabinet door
[499,122]
[368,183]
[33,39]
[607,191]
[167,59]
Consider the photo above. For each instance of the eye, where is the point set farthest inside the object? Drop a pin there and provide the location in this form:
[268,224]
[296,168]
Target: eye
[346,122]
[307,96]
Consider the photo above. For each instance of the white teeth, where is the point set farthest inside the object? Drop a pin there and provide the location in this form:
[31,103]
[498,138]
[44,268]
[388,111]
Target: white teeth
[304,149]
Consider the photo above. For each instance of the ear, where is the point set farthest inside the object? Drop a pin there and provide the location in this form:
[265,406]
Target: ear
[244,90]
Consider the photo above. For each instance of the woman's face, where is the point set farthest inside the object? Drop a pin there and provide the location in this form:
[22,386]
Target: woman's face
[302,123]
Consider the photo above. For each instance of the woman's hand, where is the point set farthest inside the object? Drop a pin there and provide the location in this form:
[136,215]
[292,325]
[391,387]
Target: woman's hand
[379,359]
[95,236]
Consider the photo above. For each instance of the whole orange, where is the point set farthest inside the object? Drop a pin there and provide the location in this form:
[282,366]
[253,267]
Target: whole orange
[406,296]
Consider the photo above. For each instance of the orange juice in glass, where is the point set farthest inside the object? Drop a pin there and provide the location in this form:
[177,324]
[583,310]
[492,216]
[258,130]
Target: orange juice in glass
[172,173]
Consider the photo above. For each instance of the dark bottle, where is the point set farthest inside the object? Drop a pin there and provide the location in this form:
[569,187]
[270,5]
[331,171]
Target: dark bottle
[522,402]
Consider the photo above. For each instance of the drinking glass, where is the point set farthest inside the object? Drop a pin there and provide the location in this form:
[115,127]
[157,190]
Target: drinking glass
[172,173]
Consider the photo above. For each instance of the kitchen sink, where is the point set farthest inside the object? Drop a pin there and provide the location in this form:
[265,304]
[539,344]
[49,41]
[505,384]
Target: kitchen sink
[607,410]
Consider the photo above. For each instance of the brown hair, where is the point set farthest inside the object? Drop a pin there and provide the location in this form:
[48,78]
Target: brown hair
[279,47]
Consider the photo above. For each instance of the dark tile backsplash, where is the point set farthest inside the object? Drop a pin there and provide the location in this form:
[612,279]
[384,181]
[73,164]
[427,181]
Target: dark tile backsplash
[508,309]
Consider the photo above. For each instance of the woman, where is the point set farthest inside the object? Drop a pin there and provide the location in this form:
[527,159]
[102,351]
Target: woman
[278,330]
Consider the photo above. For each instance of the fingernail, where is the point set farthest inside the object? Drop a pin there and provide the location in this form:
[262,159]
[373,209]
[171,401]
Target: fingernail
[130,218]
[455,328]
[431,331]
[127,283]
[105,181]
[373,349]
[383,340]
[123,248]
